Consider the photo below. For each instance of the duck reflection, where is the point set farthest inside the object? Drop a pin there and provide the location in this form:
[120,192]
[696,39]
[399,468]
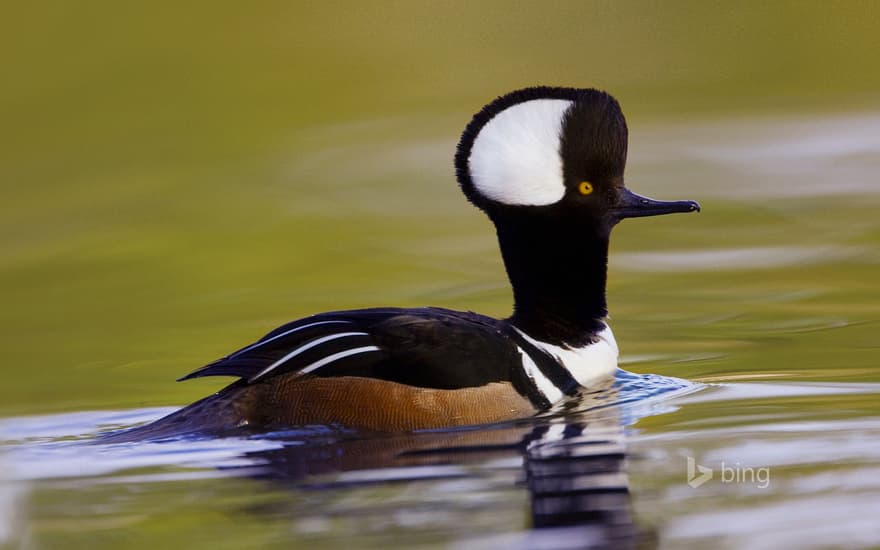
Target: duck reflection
[573,465]
[576,476]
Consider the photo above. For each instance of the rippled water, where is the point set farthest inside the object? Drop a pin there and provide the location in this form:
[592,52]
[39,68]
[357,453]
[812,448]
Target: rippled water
[585,474]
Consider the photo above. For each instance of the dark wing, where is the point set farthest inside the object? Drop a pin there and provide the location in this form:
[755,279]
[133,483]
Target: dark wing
[426,347]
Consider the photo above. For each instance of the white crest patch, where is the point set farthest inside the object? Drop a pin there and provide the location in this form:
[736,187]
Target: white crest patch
[588,365]
[515,157]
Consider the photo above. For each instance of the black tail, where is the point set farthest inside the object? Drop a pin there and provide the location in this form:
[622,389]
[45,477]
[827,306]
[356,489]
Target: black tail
[209,416]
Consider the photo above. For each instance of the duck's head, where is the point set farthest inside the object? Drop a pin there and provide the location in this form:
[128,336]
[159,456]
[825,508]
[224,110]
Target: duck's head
[557,152]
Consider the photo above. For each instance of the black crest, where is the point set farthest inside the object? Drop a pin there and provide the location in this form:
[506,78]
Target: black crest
[594,132]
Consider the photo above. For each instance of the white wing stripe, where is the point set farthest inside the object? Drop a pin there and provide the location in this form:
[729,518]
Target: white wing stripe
[336,356]
[301,349]
[291,331]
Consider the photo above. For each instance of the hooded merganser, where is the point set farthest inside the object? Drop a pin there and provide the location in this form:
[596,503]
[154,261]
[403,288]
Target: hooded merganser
[546,165]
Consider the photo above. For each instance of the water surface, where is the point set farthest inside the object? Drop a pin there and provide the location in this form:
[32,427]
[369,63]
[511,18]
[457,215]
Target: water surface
[757,319]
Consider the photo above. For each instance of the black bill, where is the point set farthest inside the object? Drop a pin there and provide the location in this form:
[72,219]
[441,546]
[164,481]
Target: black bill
[636,206]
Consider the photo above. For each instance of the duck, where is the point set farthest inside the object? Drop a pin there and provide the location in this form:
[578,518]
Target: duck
[546,165]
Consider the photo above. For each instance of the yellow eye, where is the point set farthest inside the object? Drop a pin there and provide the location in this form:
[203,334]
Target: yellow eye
[585,188]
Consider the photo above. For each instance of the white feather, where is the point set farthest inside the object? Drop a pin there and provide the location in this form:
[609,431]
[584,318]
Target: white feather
[515,158]
[337,356]
[286,333]
[544,385]
[588,365]
[302,349]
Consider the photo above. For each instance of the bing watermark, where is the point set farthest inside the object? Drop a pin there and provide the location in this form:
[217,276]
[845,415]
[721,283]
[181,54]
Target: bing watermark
[698,474]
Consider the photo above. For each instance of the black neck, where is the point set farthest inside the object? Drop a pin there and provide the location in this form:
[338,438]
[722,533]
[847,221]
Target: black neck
[557,266]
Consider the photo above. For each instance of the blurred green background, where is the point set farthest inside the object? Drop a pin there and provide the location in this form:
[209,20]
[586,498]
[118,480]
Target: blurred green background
[179,178]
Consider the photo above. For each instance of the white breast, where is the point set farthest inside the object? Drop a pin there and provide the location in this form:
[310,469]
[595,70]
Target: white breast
[588,365]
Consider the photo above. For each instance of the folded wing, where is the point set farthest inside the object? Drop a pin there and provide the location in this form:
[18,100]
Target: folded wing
[426,347]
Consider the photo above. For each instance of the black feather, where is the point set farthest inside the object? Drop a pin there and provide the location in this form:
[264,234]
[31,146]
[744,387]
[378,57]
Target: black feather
[424,347]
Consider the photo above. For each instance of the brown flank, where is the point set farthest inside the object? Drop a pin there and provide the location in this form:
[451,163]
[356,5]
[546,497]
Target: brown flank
[369,403]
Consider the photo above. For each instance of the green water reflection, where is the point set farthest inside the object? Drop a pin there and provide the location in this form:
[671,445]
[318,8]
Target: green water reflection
[177,182]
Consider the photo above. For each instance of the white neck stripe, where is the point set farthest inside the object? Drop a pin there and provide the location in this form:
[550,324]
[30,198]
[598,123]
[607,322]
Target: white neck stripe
[588,365]
[544,385]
